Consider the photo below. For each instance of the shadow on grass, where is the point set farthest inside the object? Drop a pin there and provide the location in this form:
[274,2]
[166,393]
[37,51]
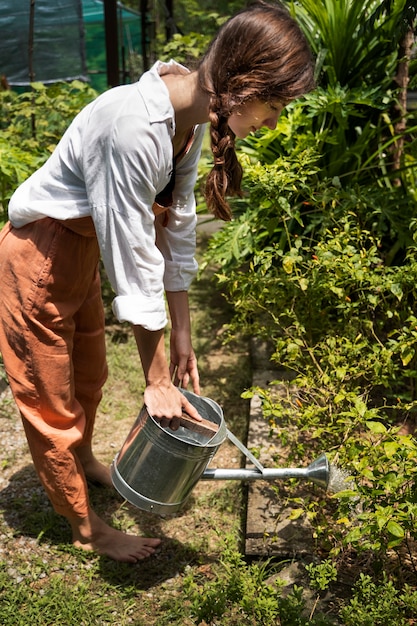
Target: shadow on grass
[170,561]
[28,512]
[26,509]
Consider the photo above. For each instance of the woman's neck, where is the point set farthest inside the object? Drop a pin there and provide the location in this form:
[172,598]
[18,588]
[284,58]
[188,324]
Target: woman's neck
[191,105]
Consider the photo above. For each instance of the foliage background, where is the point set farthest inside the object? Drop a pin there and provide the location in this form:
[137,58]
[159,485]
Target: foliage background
[320,260]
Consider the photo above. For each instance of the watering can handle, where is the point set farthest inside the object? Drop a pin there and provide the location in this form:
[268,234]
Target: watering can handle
[244,450]
[204,427]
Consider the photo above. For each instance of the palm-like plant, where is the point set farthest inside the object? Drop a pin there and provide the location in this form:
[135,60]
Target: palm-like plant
[350,120]
[356,43]
[362,46]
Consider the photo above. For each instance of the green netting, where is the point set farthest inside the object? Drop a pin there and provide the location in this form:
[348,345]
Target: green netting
[129,35]
[57,41]
[68,41]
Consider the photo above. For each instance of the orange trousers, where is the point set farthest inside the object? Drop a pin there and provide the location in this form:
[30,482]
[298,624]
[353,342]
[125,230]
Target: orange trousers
[53,347]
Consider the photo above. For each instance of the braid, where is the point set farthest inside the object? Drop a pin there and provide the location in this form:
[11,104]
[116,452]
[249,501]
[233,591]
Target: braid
[226,174]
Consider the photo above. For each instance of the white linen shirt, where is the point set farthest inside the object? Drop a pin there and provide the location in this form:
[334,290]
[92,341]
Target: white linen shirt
[112,161]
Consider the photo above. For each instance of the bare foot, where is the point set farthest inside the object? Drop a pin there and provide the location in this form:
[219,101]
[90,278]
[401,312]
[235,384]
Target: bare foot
[93,469]
[93,534]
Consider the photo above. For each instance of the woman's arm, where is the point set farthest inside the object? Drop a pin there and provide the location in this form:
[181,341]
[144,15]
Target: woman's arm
[162,397]
[183,363]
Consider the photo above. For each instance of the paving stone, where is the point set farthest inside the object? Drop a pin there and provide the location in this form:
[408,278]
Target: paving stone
[269,529]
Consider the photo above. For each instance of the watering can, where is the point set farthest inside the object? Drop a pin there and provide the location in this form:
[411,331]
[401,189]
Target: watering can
[157,468]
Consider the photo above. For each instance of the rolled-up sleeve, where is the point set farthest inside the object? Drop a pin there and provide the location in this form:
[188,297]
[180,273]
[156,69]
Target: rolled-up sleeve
[125,224]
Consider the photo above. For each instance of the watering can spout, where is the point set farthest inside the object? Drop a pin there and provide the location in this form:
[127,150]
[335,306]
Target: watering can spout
[319,471]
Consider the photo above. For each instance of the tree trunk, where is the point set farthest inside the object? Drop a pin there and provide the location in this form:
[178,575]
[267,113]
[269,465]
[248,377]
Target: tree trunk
[400,109]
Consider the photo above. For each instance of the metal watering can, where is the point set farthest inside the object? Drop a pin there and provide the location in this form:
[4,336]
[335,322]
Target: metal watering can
[157,468]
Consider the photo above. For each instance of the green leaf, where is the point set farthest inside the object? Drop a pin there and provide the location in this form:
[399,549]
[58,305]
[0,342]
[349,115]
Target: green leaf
[354,535]
[296,514]
[395,529]
[288,264]
[376,427]
[396,289]
[390,448]
[303,282]
[407,355]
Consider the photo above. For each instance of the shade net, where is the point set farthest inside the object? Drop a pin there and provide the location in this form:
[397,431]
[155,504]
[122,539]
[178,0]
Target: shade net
[69,41]
[58,41]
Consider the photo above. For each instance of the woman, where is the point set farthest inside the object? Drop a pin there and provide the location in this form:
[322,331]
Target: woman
[120,185]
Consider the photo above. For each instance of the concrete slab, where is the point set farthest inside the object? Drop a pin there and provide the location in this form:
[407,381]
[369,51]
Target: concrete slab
[270,531]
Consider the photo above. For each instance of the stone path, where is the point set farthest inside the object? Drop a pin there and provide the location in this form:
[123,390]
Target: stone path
[270,533]
[269,529]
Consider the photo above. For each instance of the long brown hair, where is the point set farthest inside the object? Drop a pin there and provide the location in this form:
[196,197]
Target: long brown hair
[258,53]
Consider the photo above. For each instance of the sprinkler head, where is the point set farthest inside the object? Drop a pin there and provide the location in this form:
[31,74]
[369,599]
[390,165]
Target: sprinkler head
[319,471]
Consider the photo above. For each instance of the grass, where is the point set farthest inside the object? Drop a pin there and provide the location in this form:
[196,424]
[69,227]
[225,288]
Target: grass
[198,576]
[44,580]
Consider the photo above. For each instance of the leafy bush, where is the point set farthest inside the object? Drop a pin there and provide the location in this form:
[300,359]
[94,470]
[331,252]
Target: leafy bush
[380,604]
[241,594]
[31,125]
[320,261]
[356,43]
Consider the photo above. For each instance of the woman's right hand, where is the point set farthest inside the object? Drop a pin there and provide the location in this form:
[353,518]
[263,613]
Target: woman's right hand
[166,404]
[163,399]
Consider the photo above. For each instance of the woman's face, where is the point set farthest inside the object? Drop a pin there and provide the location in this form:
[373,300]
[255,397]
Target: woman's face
[253,115]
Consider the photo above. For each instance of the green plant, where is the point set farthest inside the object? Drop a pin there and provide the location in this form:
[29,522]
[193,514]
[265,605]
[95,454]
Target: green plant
[321,574]
[367,51]
[241,594]
[192,16]
[337,142]
[343,323]
[364,145]
[15,166]
[320,263]
[381,604]
[384,465]
[185,49]
[31,125]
